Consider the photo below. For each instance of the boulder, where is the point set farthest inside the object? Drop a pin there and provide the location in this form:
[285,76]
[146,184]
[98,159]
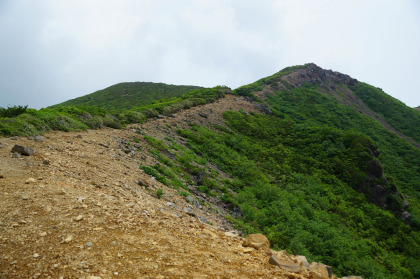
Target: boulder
[302,261]
[322,269]
[286,265]
[257,241]
[27,151]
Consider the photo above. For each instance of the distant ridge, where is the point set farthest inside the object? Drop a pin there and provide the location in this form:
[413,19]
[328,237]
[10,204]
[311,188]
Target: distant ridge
[127,95]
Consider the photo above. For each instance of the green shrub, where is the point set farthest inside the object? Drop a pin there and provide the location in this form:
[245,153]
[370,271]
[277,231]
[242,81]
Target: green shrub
[159,193]
[12,111]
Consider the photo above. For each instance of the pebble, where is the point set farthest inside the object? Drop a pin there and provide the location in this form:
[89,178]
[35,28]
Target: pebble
[89,244]
[36,255]
[68,239]
[42,234]
[25,198]
[30,180]
[78,218]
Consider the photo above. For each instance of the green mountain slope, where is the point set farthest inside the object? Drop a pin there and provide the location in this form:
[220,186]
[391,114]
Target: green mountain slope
[128,95]
[397,114]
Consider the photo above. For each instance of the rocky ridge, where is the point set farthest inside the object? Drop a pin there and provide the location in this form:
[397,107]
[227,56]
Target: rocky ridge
[332,84]
[79,207]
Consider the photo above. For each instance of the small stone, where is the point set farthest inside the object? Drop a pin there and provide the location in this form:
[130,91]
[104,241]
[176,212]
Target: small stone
[25,198]
[36,255]
[55,265]
[38,138]
[48,209]
[248,250]
[30,180]
[43,234]
[68,239]
[16,155]
[78,218]
[46,162]
[15,224]
[89,244]
[116,273]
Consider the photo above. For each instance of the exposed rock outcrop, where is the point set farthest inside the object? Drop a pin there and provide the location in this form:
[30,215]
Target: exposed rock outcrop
[23,150]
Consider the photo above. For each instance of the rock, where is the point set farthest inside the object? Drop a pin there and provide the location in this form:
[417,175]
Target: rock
[286,265]
[189,199]
[89,244]
[406,216]
[26,151]
[43,234]
[30,180]
[68,239]
[316,275]
[204,220]
[171,204]
[212,234]
[78,218]
[36,255]
[189,211]
[248,250]
[25,198]
[302,261]
[322,269]
[38,139]
[16,155]
[406,204]
[231,234]
[257,241]
[46,162]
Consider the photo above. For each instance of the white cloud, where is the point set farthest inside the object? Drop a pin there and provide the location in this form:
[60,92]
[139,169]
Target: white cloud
[57,50]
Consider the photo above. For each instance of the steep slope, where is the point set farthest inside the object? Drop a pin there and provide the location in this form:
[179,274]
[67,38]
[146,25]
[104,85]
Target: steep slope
[128,95]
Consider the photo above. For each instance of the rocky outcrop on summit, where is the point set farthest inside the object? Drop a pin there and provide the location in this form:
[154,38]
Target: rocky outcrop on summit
[315,74]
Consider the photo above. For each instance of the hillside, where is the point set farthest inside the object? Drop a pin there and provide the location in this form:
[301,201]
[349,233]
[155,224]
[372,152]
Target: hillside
[302,156]
[128,95]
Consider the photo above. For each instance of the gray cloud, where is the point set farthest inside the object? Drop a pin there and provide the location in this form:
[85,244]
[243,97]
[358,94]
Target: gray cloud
[52,51]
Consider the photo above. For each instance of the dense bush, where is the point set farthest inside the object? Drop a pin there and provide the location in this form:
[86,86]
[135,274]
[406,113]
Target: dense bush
[12,111]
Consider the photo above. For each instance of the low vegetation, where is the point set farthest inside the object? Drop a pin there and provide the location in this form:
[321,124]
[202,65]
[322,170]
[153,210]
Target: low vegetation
[25,122]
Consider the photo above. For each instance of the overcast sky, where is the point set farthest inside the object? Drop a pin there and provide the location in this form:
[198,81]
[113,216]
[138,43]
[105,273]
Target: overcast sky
[52,51]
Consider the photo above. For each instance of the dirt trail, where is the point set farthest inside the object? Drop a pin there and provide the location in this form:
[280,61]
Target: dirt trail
[74,210]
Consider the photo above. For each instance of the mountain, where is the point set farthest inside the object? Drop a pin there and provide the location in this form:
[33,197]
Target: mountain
[322,164]
[128,95]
